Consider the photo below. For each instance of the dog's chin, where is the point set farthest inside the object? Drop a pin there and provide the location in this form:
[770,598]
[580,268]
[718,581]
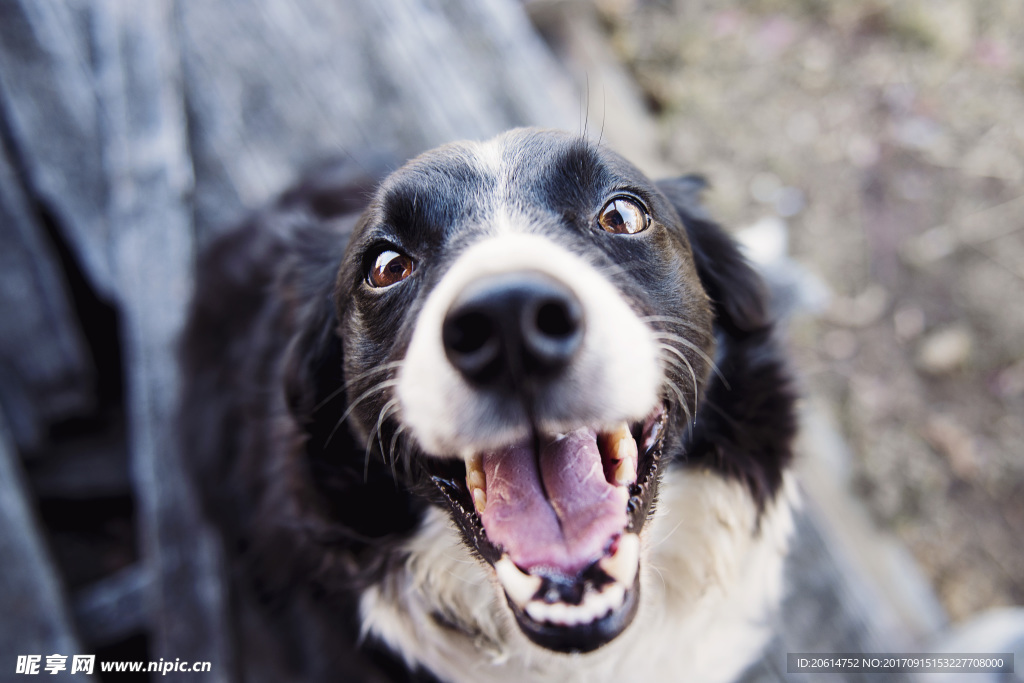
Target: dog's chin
[583,637]
[558,520]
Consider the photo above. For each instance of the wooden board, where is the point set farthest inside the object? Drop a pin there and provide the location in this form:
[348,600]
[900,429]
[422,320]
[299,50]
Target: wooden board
[45,368]
[36,620]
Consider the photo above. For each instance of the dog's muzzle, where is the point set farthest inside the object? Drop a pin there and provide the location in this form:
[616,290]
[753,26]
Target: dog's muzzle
[538,397]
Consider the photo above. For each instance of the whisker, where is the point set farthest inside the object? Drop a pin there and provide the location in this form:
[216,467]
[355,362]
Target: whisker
[386,410]
[390,408]
[363,375]
[664,585]
[586,109]
[669,534]
[693,376]
[696,349]
[391,449]
[380,386]
[682,402]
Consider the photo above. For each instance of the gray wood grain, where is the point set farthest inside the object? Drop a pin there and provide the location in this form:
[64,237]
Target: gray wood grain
[152,247]
[273,85]
[45,369]
[36,619]
[51,112]
[114,607]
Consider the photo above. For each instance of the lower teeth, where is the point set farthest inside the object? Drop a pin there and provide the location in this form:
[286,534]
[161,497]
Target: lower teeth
[621,566]
[519,585]
[595,605]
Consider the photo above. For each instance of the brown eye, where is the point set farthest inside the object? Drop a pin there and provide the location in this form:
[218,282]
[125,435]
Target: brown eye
[624,216]
[390,268]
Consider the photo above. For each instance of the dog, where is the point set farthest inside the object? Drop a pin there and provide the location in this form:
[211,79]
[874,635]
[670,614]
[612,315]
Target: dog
[516,414]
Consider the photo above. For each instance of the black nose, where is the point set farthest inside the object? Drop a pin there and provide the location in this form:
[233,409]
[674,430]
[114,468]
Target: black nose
[523,325]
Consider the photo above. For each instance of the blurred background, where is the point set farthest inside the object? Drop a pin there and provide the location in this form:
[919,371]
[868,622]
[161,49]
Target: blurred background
[886,135]
[869,155]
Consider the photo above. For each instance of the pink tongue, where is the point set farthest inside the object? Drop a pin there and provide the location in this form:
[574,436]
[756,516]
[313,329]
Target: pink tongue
[571,527]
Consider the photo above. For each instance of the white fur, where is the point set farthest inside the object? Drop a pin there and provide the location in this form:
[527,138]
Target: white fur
[710,579]
[615,377]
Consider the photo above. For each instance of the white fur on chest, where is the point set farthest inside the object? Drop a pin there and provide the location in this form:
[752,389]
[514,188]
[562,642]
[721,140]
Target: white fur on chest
[709,582]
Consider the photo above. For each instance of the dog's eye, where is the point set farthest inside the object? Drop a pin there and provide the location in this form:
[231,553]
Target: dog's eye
[624,216]
[390,268]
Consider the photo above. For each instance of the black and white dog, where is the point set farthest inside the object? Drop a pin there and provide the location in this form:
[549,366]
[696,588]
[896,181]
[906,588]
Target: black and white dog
[518,416]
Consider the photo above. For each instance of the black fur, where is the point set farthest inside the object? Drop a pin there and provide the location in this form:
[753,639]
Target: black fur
[747,422]
[282,319]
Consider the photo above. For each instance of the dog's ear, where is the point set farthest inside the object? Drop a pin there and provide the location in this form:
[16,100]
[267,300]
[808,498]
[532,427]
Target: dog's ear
[747,431]
[736,291]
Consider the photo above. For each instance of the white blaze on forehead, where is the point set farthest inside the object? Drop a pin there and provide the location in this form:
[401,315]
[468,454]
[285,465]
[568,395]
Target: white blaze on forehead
[615,376]
[490,155]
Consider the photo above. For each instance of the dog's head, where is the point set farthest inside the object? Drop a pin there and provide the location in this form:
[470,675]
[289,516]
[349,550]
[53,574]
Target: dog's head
[527,337]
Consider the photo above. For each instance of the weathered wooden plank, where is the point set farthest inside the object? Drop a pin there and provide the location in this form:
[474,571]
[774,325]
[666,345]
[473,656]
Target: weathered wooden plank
[114,607]
[273,85]
[52,115]
[45,369]
[36,619]
[93,466]
[152,248]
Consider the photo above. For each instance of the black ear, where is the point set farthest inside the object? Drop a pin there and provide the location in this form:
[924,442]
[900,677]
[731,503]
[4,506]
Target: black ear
[738,295]
[746,423]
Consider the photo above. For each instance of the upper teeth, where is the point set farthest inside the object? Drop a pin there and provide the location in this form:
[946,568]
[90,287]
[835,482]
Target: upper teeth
[476,481]
[620,448]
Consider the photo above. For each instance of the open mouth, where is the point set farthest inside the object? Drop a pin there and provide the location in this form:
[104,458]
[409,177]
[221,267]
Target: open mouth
[558,517]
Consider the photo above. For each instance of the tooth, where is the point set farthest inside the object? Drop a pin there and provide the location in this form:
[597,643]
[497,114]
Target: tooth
[558,613]
[588,611]
[620,450]
[573,616]
[536,610]
[623,445]
[616,595]
[623,564]
[474,465]
[476,481]
[519,585]
[625,472]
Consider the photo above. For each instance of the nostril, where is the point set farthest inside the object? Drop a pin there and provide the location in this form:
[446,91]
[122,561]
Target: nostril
[557,319]
[552,331]
[471,342]
[469,332]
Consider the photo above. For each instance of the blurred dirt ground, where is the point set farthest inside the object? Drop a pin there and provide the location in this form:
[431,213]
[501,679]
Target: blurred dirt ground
[889,135]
